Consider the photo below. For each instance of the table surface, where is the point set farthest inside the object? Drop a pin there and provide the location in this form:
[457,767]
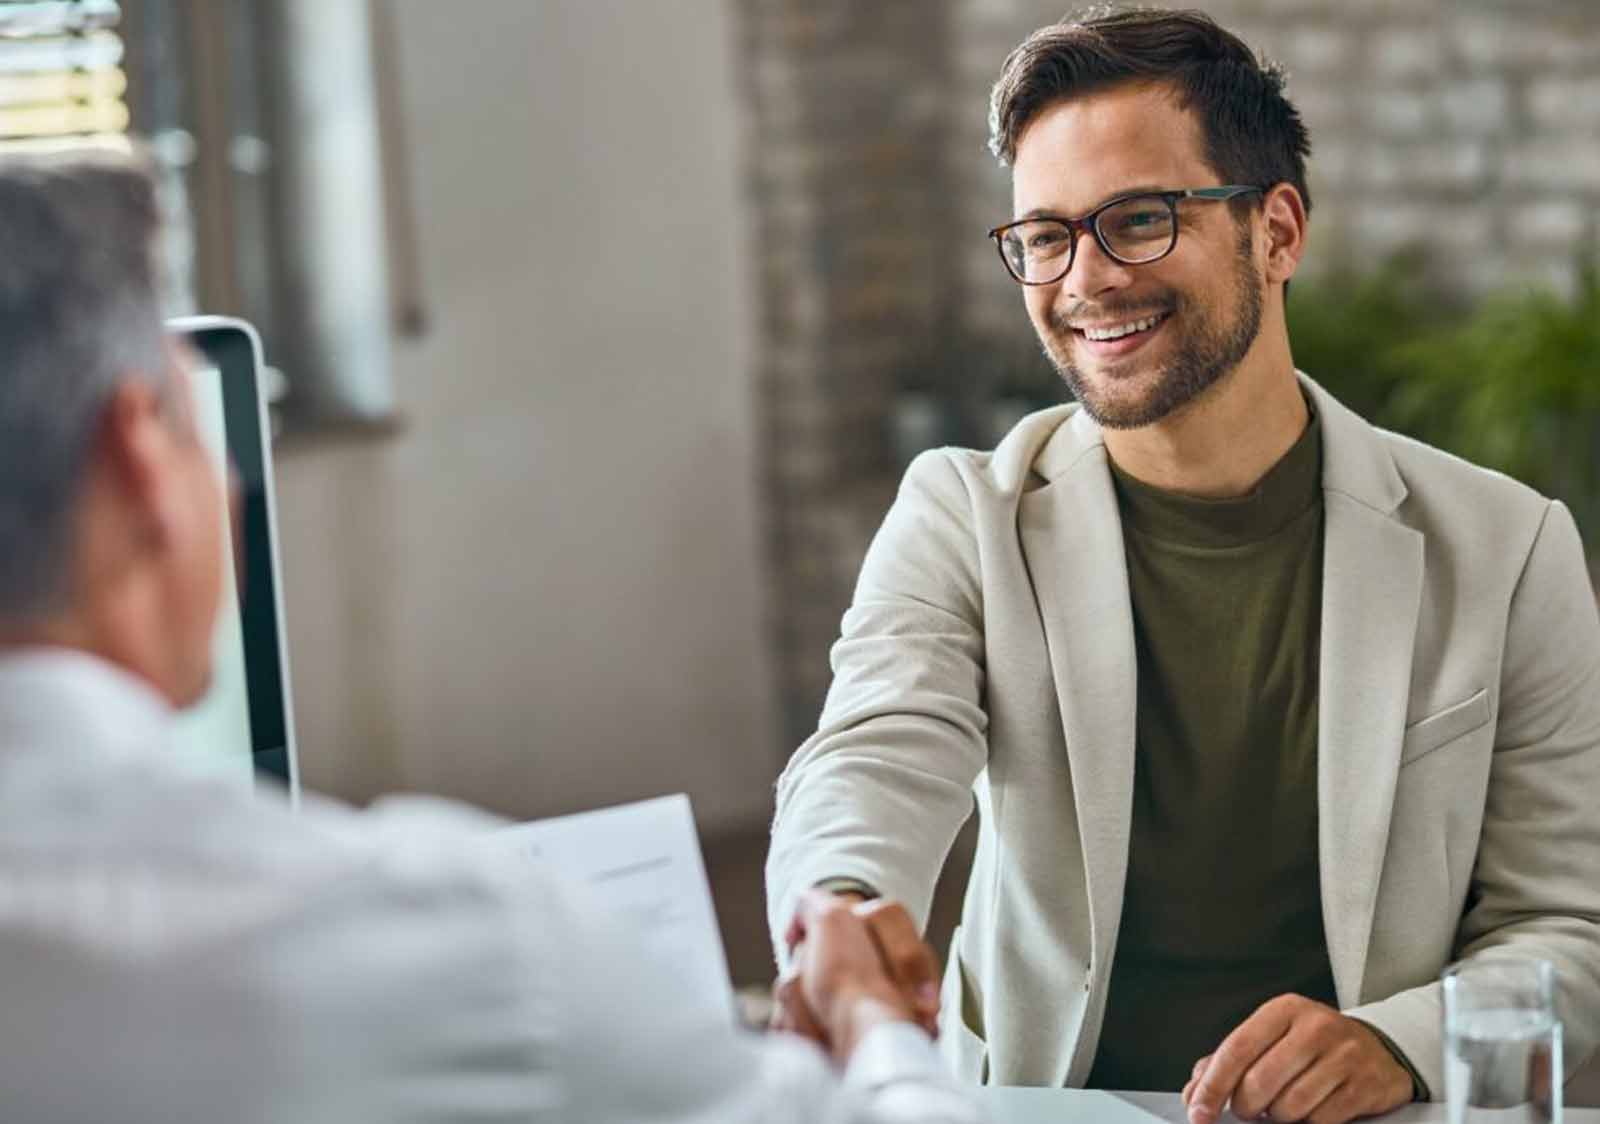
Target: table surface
[1072,1106]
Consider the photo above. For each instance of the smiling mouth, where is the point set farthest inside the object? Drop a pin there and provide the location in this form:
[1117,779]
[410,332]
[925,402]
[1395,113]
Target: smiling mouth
[1108,333]
[1117,339]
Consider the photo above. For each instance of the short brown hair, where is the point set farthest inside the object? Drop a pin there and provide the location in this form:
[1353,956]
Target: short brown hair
[1251,132]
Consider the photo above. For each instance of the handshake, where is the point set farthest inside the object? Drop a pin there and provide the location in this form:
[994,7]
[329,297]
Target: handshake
[854,965]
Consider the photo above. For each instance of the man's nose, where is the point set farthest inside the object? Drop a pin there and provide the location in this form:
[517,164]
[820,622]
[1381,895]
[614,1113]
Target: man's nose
[1094,272]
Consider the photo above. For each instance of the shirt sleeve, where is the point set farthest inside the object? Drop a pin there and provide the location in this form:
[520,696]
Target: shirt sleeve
[899,1075]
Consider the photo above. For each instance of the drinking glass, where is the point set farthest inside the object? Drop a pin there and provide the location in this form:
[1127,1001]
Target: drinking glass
[1502,1043]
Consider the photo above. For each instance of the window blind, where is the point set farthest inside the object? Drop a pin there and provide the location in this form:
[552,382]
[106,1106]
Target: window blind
[62,82]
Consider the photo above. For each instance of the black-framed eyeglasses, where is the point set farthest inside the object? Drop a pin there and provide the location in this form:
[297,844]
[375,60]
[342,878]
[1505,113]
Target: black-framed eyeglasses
[1134,229]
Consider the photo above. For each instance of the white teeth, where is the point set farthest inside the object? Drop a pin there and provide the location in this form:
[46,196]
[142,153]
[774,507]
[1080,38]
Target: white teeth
[1121,329]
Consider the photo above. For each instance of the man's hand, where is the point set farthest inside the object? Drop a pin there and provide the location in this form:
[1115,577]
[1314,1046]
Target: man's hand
[854,966]
[1296,1059]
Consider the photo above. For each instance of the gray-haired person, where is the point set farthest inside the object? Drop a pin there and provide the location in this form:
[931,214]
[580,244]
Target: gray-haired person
[175,949]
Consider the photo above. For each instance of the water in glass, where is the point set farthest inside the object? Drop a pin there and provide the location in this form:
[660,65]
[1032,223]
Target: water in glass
[1502,1047]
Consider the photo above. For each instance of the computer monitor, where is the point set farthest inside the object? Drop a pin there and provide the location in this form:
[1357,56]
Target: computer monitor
[245,723]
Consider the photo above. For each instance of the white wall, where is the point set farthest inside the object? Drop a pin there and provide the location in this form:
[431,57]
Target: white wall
[545,594]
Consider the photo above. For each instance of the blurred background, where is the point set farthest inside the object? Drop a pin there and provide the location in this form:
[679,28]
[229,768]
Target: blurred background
[605,328]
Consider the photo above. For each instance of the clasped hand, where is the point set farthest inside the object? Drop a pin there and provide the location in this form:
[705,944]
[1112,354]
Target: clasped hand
[854,966]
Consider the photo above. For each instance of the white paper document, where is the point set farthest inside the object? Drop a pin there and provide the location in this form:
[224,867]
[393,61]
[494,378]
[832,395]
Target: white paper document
[642,862]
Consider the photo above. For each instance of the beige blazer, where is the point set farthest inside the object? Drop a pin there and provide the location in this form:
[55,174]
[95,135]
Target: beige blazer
[989,653]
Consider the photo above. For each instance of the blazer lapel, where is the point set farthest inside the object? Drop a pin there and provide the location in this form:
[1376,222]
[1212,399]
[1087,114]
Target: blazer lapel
[1071,535]
[1371,597]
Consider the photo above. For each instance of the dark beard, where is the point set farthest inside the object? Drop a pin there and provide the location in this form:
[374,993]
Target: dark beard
[1212,351]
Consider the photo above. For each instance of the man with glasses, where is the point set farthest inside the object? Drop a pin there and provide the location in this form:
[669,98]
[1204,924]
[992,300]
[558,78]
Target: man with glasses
[1269,715]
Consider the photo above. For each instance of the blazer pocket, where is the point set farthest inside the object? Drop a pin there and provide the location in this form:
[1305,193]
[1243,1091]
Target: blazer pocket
[964,1049]
[1436,730]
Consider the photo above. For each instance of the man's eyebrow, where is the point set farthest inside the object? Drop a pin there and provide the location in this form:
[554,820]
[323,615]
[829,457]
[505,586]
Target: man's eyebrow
[1136,189]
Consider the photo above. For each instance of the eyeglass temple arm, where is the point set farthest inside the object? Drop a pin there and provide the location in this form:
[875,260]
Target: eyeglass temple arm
[1228,192]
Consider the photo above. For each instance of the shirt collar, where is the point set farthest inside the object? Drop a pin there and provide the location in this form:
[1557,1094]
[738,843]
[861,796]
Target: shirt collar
[61,698]
[1357,459]
[1289,489]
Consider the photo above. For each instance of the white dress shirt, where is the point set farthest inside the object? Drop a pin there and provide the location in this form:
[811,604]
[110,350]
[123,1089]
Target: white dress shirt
[174,949]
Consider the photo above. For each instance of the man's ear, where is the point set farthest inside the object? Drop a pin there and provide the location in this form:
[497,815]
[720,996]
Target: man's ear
[1284,216]
[135,447]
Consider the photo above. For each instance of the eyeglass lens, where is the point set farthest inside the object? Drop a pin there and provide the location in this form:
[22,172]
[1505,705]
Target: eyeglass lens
[1135,230]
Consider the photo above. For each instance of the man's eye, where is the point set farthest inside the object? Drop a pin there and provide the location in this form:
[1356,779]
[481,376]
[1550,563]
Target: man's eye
[1137,220]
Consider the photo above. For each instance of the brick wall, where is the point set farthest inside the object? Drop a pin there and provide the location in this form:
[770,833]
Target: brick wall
[846,149]
[1471,127]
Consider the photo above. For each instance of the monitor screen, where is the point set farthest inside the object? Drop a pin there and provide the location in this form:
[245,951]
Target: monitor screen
[243,724]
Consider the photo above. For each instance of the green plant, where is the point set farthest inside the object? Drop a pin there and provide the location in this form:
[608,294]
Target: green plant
[1345,328]
[1512,383]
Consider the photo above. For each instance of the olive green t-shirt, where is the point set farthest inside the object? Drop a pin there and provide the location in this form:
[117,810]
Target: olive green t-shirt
[1223,908]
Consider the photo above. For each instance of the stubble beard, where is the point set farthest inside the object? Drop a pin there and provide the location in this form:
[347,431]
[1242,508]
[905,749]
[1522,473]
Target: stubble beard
[1207,353]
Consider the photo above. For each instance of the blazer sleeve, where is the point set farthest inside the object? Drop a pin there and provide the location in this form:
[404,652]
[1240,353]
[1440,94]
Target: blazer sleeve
[879,792]
[1536,884]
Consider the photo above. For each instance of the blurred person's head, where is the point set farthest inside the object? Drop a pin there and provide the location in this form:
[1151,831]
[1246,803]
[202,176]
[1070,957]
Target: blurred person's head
[111,534]
[1115,102]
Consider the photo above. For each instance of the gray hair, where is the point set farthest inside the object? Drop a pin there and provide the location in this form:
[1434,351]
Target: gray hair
[80,313]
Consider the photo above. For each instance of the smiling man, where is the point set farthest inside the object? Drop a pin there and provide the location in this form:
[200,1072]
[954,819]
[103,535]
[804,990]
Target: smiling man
[1269,715]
